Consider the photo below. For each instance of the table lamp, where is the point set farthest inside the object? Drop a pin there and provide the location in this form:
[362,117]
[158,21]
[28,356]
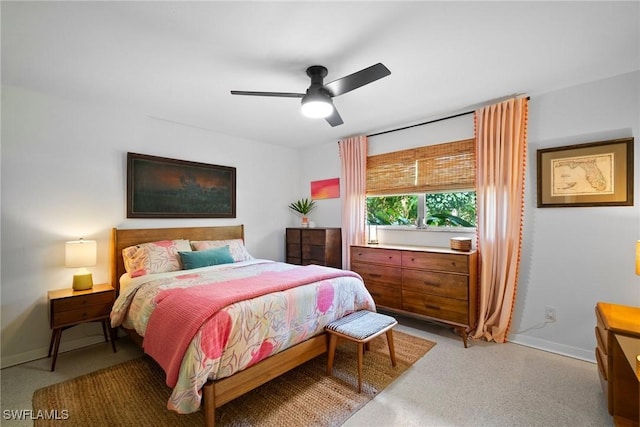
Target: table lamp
[80,254]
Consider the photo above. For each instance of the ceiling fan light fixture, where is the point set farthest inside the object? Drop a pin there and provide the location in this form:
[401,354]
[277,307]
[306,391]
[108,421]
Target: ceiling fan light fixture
[317,106]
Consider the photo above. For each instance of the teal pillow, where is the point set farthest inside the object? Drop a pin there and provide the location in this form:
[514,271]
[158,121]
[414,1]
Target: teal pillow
[206,258]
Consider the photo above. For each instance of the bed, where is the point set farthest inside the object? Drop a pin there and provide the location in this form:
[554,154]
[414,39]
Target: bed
[228,374]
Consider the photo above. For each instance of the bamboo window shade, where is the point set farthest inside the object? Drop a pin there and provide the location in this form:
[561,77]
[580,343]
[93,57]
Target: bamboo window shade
[442,167]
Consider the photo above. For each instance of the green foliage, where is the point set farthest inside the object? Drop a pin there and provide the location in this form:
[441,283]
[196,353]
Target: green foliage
[303,206]
[452,209]
[392,210]
[443,209]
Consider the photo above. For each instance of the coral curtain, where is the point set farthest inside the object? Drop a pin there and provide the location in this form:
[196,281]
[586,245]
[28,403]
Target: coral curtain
[501,138]
[353,155]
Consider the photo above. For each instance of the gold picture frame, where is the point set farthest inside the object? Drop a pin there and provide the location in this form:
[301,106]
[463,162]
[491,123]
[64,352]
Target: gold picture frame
[592,174]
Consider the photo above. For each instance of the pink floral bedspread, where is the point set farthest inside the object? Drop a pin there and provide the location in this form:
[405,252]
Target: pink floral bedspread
[255,328]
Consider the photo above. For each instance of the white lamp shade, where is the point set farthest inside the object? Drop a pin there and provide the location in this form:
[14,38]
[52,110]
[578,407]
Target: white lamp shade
[80,253]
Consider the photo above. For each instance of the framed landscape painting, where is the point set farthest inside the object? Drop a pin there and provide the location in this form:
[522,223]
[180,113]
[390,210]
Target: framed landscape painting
[592,174]
[158,187]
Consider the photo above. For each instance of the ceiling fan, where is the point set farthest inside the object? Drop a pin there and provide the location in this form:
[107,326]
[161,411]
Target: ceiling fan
[317,101]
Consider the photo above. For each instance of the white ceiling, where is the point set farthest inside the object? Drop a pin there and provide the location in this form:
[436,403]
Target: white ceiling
[177,61]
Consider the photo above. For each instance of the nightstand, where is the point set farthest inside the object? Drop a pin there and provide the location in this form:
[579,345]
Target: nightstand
[69,308]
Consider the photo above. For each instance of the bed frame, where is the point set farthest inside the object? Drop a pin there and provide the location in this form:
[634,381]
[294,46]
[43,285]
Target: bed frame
[215,393]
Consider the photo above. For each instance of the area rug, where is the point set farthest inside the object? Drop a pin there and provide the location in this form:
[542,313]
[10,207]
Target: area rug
[133,393]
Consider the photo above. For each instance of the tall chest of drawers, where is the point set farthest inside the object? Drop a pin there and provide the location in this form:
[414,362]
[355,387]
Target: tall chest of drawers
[620,383]
[430,283]
[322,246]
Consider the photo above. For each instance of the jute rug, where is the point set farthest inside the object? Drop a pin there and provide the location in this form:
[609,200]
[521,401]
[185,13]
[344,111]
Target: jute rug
[133,393]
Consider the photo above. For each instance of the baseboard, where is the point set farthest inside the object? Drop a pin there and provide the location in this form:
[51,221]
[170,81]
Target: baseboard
[41,353]
[552,347]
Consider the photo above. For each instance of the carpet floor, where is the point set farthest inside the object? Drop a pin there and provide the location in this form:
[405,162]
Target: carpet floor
[133,393]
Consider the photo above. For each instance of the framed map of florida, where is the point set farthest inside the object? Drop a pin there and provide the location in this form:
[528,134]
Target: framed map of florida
[591,174]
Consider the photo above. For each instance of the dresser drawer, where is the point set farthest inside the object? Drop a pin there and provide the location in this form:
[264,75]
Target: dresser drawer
[378,275]
[313,237]
[312,254]
[443,284]
[601,334]
[385,296]
[376,256]
[601,360]
[436,261]
[83,314]
[78,302]
[447,309]
[601,339]
[294,250]
[293,235]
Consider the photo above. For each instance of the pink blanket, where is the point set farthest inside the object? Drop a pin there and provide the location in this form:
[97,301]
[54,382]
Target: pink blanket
[180,312]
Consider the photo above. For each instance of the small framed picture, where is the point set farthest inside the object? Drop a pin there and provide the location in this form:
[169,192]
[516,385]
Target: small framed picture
[592,174]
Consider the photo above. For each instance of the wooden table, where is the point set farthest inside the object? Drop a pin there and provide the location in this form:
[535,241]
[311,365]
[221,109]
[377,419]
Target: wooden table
[69,308]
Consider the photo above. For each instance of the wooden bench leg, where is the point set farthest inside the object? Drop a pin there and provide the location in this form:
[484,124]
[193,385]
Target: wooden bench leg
[332,352]
[360,355]
[392,350]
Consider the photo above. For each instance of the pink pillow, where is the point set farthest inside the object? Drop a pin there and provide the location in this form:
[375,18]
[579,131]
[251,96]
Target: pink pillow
[236,248]
[154,257]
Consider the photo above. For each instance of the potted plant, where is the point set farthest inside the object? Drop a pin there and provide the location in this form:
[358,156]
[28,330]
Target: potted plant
[303,207]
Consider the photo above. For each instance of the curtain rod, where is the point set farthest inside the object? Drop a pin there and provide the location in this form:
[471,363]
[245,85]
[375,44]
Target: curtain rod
[427,122]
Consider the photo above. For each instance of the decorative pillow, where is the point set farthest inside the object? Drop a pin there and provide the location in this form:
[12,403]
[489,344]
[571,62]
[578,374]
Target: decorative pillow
[206,258]
[154,257]
[236,247]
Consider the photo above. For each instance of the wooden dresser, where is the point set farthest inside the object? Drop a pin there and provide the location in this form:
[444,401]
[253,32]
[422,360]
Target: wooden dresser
[423,282]
[618,333]
[322,246]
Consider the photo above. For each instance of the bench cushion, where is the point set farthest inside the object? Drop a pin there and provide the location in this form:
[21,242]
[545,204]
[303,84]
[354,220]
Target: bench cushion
[361,324]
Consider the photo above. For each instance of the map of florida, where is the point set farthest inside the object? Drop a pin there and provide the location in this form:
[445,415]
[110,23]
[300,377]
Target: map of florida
[593,174]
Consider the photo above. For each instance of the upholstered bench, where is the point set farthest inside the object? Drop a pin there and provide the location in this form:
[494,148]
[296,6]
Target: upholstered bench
[360,327]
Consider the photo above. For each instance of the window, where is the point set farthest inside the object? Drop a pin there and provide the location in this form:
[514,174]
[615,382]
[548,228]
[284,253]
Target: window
[430,185]
[451,209]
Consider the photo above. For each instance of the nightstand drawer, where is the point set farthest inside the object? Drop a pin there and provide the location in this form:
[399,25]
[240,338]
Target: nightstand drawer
[68,317]
[78,302]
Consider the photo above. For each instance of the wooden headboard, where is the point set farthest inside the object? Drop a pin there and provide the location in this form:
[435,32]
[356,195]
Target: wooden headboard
[123,238]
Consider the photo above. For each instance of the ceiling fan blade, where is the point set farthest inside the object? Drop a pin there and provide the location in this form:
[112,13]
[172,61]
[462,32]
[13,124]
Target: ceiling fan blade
[357,79]
[277,94]
[334,119]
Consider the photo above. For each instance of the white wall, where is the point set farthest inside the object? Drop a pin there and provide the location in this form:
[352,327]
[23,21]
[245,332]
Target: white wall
[574,257]
[64,177]
[571,257]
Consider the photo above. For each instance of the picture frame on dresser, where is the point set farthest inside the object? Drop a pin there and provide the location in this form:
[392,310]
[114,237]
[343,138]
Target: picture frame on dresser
[159,187]
[582,175]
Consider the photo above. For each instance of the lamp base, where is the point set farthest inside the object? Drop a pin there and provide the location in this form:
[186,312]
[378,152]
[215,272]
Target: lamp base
[82,281]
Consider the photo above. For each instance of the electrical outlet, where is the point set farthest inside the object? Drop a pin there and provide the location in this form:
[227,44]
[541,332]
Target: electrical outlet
[550,313]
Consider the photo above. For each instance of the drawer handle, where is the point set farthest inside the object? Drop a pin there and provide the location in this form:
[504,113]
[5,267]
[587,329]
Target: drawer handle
[436,285]
[432,307]
[375,275]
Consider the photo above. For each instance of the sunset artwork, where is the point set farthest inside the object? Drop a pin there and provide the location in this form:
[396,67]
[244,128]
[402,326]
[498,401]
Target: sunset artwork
[168,188]
[325,189]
